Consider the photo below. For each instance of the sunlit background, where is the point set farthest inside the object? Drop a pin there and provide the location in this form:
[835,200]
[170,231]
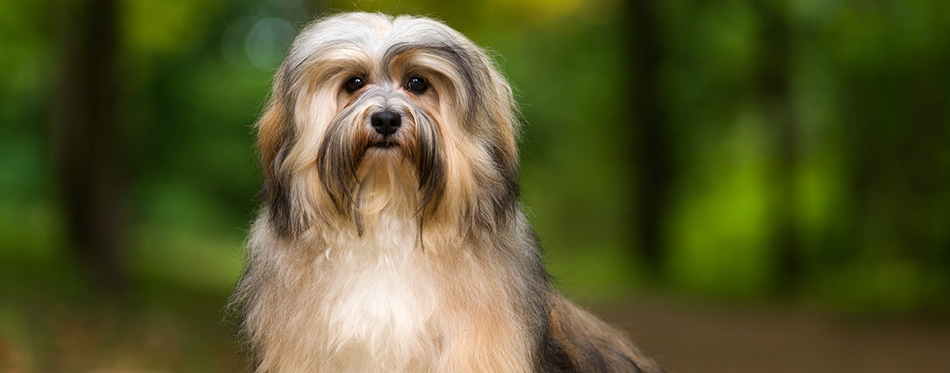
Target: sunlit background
[746,186]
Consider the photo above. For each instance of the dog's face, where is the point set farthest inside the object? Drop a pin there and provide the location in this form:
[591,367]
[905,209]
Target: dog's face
[371,113]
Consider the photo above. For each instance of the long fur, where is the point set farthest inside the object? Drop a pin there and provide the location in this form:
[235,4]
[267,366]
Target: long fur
[414,258]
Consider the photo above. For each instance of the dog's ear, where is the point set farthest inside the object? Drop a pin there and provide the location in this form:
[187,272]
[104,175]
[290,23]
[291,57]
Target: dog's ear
[495,112]
[502,112]
[493,107]
[274,139]
[272,128]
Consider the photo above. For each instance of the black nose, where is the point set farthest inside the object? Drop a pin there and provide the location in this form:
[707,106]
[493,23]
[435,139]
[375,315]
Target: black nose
[385,122]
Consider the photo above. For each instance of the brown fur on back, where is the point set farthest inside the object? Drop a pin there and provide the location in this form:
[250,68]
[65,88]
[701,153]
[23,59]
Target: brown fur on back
[579,342]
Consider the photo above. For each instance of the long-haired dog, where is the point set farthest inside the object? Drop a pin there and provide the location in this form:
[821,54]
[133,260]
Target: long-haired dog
[392,237]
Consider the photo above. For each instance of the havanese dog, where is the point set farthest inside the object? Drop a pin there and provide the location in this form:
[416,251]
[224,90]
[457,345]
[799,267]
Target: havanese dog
[392,238]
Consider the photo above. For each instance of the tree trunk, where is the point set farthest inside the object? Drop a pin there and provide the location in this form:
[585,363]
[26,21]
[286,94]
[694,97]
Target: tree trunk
[652,153]
[86,140]
[774,79]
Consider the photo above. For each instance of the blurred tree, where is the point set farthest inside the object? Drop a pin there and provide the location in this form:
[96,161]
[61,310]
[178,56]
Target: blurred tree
[894,119]
[651,153]
[87,142]
[778,146]
[774,82]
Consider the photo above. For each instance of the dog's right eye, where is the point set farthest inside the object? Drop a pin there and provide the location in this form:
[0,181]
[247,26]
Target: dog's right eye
[354,84]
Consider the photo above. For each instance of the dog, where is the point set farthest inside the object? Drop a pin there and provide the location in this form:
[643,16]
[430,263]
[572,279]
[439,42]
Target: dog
[391,237]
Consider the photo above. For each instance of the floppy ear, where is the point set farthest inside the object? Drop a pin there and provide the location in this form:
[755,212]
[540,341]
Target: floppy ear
[493,107]
[275,136]
[501,113]
[504,146]
[272,128]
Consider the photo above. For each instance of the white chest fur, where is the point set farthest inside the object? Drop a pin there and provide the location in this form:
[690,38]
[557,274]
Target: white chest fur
[378,299]
[380,302]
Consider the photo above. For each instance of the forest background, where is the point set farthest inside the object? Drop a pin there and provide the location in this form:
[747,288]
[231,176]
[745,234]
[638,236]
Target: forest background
[720,161]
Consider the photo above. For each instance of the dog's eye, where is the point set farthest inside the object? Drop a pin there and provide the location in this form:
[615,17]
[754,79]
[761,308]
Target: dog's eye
[354,84]
[417,85]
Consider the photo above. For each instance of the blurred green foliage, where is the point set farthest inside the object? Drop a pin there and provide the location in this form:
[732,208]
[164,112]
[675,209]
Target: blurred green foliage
[869,92]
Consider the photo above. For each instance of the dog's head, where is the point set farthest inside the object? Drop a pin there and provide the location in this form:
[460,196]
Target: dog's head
[371,113]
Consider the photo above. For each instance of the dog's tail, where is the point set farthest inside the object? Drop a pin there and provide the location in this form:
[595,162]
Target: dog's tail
[576,341]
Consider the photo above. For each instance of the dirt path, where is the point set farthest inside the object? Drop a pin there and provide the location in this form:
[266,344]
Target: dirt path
[699,338]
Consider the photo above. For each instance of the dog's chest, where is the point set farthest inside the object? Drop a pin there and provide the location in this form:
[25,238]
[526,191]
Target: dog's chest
[379,296]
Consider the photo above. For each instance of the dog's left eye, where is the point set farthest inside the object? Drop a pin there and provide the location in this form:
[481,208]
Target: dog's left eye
[417,85]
